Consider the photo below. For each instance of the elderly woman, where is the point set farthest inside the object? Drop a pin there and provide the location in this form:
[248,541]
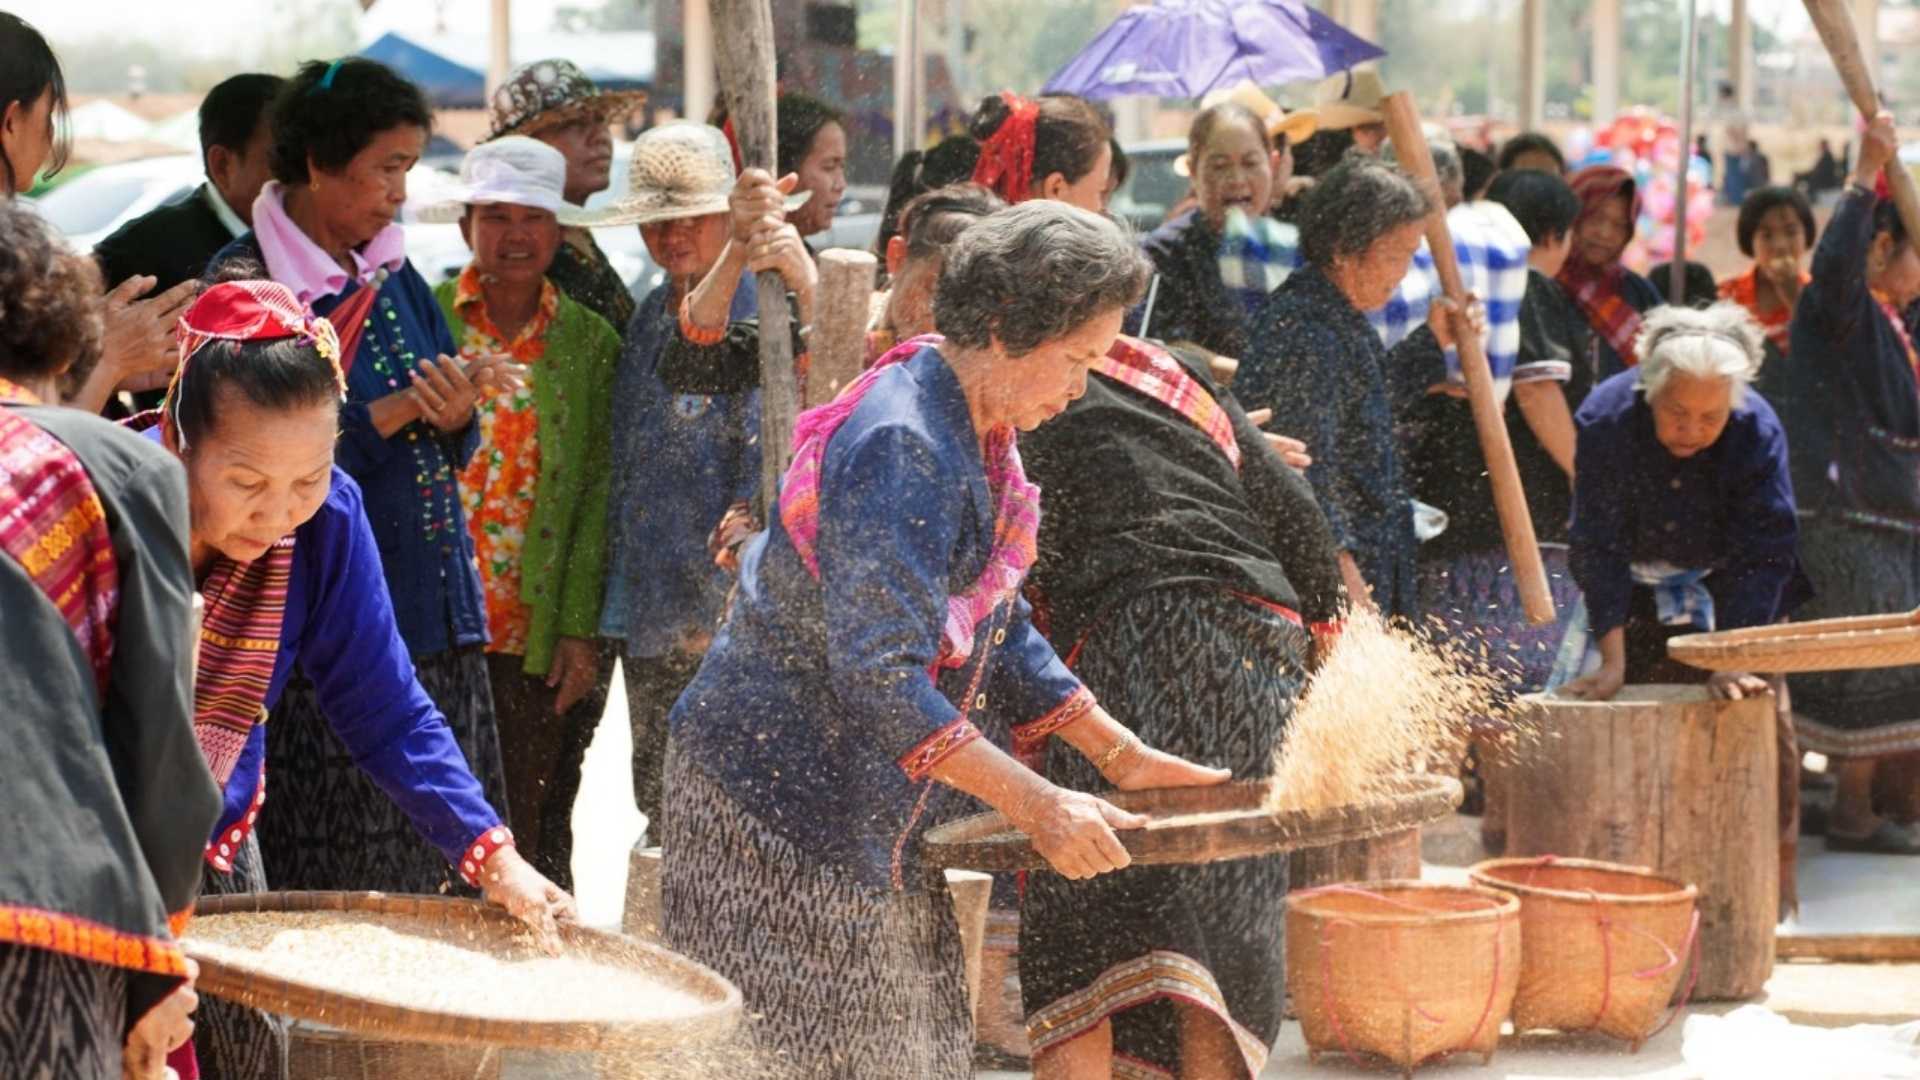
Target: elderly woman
[1217,262]
[1317,363]
[1856,459]
[536,490]
[1612,296]
[680,459]
[96,672]
[1775,230]
[1683,516]
[282,551]
[876,620]
[345,134]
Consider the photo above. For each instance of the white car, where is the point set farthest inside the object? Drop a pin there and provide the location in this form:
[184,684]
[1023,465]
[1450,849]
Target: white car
[88,208]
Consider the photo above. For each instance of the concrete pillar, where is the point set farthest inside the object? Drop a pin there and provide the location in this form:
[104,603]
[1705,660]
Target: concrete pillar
[1363,18]
[1533,64]
[499,45]
[1606,60]
[909,80]
[700,87]
[1740,55]
[1866,18]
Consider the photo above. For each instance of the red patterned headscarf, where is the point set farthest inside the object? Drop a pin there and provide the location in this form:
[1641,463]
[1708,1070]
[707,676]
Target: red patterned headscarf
[246,311]
[1598,289]
[1006,156]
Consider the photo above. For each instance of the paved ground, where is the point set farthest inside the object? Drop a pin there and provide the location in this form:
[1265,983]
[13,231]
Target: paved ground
[1840,894]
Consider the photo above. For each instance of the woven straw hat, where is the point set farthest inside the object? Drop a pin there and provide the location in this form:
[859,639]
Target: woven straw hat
[547,93]
[1350,99]
[681,169]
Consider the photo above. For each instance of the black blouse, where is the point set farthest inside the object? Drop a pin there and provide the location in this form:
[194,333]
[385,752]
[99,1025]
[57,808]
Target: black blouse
[1135,496]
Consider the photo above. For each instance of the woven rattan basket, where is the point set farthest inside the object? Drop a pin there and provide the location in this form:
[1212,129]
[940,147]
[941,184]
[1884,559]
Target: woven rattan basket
[1404,970]
[469,922]
[1604,946]
[322,1053]
[1866,641]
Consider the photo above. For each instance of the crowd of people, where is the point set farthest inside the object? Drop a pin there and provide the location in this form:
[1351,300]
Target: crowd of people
[1084,523]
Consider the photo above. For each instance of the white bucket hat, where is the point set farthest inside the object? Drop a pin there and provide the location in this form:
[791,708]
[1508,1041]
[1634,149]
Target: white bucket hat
[512,169]
[681,169]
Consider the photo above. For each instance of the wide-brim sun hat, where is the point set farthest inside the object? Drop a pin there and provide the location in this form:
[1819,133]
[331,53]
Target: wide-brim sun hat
[1350,99]
[545,94]
[514,169]
[682,169]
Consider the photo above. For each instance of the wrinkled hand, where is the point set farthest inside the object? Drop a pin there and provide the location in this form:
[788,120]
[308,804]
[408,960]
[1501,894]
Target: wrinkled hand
[1736,685]
[166,1027]
[776,245]
[757,196]
[1444,319]
[1073,831]
[724,542]
[509,881]
[1291,450]
[1879,145]
[1602,685]
[496,373]
[138,346]
[444,394]
[576,667]
[1145,767]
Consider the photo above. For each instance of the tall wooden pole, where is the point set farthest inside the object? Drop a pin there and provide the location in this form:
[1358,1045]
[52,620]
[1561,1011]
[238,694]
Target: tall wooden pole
[743,36]
[1533,64]
[909,106]
[1837,32]
[1606,60]
[1689,50]
[1509,499]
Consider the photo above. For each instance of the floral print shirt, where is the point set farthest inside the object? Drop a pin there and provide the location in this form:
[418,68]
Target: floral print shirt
[499,483]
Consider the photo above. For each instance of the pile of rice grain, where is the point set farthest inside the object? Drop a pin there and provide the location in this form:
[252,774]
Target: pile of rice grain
[1390,699]
[401,961]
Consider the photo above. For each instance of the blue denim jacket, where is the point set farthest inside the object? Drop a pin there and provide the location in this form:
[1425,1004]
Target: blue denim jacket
[679,460]
[818,708]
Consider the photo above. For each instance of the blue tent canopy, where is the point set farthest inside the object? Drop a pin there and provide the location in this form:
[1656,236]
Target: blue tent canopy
[452,68]
[446,83]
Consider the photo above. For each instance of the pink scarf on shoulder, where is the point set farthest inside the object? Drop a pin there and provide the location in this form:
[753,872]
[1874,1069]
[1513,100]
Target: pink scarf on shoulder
[1016,505]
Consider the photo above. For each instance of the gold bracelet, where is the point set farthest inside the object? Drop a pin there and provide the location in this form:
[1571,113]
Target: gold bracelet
[1113,753]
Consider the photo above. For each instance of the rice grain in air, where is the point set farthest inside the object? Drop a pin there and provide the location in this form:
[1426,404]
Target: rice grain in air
[1388,700]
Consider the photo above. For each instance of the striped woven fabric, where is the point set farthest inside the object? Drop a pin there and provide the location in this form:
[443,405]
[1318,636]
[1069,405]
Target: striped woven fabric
[52,523]
[1143,366]
[239,641]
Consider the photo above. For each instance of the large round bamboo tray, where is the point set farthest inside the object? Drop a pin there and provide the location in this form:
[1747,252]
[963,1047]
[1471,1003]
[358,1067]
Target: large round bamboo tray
[1204,824]
[1862,641]
[1603,946]
[465,922]
[317,1052]
[1404,970]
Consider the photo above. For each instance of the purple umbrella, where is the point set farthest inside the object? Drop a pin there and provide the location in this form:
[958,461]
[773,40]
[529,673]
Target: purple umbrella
[1185,48]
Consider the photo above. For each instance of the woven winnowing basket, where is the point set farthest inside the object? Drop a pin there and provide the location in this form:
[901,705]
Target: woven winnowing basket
[1865,641]
[1404,970]
[1604,946]
[321,1053]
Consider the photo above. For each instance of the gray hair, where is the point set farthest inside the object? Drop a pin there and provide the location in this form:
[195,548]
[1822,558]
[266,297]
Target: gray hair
[1356,203]
[1447,168]
[1719,342]
[1034,272]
